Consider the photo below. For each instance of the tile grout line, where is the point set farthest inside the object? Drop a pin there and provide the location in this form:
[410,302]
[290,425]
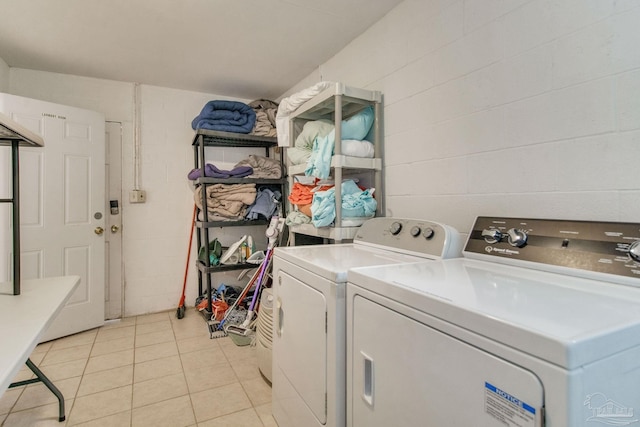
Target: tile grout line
[184,375]
[133,370]
[86,363]
[85,373]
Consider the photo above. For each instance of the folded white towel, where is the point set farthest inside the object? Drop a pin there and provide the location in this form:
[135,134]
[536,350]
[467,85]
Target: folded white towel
[289,105]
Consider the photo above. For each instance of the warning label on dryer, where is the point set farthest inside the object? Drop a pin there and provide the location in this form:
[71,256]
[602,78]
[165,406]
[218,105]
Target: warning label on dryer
[507,409]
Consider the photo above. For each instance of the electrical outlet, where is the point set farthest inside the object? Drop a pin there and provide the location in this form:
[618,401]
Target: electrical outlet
[137,196]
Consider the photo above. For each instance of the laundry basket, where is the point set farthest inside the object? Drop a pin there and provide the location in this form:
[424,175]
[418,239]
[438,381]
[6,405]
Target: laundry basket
[264,333]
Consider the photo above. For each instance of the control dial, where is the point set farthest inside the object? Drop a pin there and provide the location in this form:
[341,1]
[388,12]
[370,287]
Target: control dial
[517,238]
[491,235]
[415,231]
[634,251]
[395,228]
[428,233]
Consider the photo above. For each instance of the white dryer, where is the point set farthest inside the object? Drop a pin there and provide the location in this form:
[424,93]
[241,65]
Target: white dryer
[538,325]
[308,375]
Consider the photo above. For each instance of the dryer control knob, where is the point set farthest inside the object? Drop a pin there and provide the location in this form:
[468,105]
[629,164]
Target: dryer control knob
[634,251]
[395,228]
[415,231]
[492,235]
[428,233]
[517,238]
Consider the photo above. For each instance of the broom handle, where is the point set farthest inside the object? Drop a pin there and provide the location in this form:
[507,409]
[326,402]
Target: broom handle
[186,267]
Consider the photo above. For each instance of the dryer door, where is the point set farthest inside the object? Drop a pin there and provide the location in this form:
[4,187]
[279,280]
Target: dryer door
[406,373]
[300,351]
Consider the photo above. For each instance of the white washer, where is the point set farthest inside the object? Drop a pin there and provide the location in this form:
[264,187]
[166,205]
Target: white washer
[492,340]
[309,383]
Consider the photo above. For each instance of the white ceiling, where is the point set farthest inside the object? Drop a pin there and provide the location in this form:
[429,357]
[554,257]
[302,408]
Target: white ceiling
[244,48]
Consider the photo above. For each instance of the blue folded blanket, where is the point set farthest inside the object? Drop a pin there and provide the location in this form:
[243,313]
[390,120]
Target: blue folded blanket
[226,116]
[355,203]
[212,171]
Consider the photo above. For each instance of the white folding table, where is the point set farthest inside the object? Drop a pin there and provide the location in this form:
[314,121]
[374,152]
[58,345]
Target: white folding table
[23,320]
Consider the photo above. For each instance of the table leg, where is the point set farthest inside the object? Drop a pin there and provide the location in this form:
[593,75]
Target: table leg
[41,377]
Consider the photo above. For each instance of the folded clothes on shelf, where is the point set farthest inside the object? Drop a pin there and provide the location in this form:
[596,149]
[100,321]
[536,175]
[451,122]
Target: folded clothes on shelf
[212,171]
[355,203]
[266,204]
[225,116]
[266,111]
[229,200]
[263,167]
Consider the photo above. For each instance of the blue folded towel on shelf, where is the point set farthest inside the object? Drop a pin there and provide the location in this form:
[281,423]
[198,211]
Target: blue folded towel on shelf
[356,203]
[226,116]
[266,203]
[212,171]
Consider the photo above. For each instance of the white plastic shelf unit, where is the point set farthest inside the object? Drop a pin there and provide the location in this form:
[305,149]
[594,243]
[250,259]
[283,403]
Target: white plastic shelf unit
[15,135]
[207,138]
[337,103]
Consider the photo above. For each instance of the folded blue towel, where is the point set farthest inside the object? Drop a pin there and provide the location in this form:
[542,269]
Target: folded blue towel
[212,171]
[355,203]
[226,116]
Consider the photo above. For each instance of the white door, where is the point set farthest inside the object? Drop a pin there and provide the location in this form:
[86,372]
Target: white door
[62,194]
[114,295]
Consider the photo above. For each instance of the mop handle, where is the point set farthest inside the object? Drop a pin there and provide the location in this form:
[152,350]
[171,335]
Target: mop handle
[263,269]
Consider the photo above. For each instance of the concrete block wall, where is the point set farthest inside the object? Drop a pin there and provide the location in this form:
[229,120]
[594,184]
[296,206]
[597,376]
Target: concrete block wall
[515,108]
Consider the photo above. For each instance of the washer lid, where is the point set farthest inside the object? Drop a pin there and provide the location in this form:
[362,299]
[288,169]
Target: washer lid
[333,261]
[565,320]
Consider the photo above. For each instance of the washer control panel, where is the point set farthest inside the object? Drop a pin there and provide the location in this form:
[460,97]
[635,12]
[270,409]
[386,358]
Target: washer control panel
[412,236]
[603,247]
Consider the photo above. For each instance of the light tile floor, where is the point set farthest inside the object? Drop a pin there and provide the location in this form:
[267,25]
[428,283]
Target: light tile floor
[153,370]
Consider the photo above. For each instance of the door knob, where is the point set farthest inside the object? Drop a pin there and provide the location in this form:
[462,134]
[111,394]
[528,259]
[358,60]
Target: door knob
[99,230]
[114,228]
